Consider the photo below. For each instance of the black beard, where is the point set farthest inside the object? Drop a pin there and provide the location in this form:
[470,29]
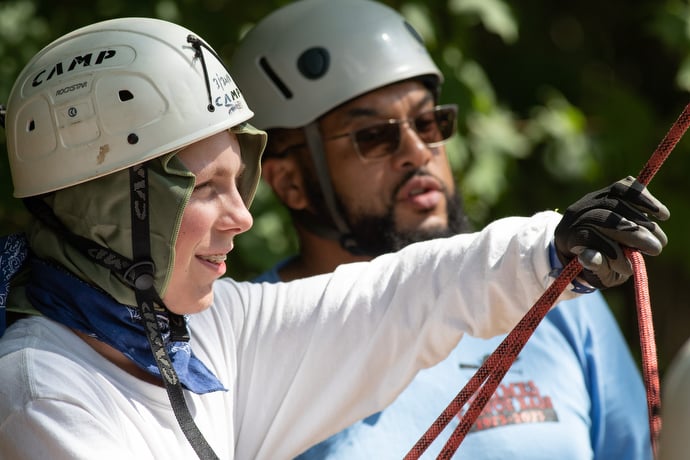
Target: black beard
[376,234]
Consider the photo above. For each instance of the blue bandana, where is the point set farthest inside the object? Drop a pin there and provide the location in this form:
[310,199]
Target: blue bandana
[74,303]
[13,252]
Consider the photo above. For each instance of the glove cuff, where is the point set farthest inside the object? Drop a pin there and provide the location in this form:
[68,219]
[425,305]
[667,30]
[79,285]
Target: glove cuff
[557,267]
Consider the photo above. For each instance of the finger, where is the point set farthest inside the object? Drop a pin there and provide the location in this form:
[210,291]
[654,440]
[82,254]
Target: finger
[648,203]
[589,237]
[590,259]
[637,195]
[625,219]
[637,237]
[654,207]
[597,263]
[654,228]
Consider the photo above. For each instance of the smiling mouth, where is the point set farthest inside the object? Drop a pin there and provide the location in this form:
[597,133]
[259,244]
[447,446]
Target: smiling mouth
[217,259]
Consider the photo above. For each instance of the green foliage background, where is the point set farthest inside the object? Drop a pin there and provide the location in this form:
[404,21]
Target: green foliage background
[556,98]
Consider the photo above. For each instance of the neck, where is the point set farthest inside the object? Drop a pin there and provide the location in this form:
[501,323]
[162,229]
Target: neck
[119,359]
[317,256]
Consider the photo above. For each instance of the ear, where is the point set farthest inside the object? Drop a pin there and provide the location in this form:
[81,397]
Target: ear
[285,178]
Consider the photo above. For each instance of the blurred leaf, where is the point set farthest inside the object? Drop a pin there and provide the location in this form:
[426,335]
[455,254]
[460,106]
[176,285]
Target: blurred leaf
[561,128]
[495,15]
[418,16]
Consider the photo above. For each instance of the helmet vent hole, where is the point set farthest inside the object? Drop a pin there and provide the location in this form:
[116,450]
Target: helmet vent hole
[125,95]
[314,62]
[414,32]
[270,73]
[31,126]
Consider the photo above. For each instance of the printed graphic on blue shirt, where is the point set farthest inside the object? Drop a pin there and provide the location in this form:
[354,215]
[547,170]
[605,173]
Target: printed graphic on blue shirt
[514,402]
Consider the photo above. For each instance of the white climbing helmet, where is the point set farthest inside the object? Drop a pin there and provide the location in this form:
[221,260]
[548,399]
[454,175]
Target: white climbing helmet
[114,94]
[310,56]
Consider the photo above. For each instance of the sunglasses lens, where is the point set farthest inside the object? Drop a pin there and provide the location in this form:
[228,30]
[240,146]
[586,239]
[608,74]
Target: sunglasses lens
[433,127]
[446,122]
[378,140]
[436,126]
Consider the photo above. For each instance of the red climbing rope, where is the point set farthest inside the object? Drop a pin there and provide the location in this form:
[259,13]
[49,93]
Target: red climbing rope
[487,378]
[650,370]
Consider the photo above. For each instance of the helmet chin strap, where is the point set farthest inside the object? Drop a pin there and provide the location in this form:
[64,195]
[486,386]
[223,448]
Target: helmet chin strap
[147,300]
[342,231]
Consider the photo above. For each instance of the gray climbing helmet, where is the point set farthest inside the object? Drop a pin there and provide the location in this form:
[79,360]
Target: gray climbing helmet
[310,56]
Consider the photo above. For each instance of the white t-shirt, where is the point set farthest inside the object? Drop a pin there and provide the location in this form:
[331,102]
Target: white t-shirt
[301,360]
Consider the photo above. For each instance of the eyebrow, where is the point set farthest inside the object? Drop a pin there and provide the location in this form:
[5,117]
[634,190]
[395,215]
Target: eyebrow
[358,112]
[226,171]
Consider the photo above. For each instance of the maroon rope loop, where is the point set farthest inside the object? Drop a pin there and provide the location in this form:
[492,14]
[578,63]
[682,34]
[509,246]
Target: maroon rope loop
[650,370]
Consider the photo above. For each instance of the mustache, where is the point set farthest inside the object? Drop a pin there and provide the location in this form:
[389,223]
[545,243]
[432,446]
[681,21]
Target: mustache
[419,172]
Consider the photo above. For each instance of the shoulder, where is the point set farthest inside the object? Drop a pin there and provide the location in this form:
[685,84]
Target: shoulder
[34,348]
[592,330]
[590,310]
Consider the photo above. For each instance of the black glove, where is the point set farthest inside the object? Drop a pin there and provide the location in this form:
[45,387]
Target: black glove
[597,227]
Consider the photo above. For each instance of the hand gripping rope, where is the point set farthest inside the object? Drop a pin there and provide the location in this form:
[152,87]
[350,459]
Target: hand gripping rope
[490,374]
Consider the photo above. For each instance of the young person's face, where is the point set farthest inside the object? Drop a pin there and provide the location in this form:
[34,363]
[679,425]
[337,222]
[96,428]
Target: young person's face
[407,196]
[214,215]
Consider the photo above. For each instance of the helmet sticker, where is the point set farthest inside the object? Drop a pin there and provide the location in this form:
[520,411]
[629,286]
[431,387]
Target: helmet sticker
[81,61]
[65,68]
[232,97]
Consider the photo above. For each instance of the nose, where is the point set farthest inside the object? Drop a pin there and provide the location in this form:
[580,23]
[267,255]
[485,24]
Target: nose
[235,217]
[413,151]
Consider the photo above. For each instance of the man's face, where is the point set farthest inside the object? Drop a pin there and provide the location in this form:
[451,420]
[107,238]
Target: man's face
[398,199]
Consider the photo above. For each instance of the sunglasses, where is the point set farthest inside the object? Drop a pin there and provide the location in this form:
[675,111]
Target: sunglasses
[434,127]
